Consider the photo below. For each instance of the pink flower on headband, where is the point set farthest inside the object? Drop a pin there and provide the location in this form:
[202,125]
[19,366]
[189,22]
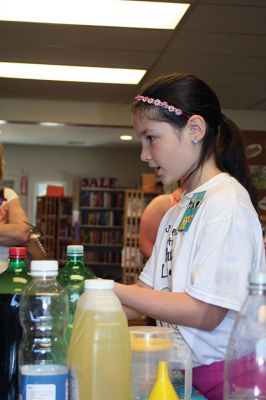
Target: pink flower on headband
[159,103]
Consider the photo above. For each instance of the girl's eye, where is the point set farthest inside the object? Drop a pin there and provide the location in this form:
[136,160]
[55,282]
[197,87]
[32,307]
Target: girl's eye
[150,139]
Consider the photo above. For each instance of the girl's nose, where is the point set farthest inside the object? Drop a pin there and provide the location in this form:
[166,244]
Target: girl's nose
[144,155]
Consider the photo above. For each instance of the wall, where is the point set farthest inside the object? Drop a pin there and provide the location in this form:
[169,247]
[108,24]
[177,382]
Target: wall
[102,114]
[67,164]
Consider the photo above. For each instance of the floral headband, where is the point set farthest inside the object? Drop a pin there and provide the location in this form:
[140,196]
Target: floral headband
[159,103]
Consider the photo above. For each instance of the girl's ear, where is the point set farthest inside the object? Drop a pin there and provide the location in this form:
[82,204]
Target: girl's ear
[197,128]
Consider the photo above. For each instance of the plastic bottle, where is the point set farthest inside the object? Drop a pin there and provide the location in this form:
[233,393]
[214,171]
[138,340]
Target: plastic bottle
[12,281]
[43,352]
[72,277]
[245,364]
[100,354]
[163,388]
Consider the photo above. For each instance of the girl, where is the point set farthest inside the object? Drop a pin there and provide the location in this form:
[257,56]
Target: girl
[209,241]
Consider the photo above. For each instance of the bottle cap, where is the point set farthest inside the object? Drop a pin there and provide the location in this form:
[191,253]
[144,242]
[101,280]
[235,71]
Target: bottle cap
[99,284]
[257,277]
[15,252]
[75,249]
[44,267]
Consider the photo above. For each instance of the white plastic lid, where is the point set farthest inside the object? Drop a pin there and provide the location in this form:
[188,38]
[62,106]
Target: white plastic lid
[75,249]
[99,284]
[151,330]
[257,278]
[44,267]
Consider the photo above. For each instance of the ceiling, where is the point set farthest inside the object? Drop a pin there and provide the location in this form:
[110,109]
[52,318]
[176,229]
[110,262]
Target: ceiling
[221,41]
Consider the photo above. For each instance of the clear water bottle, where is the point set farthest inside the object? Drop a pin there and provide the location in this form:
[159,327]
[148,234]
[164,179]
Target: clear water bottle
[100,353]
[72,277]
[43,352]
[245,364]
[12,282]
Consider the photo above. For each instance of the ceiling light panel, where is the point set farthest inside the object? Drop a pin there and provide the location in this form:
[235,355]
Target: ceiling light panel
[116,13]
[70,73]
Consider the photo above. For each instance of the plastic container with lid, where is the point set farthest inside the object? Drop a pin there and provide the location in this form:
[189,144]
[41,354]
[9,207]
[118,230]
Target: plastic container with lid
[150,345]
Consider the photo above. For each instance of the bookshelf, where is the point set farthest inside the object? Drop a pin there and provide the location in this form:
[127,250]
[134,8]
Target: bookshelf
[132,259]
[101,229]
[54,219]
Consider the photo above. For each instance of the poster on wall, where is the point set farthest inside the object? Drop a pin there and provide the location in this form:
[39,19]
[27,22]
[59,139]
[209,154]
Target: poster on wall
[256,153]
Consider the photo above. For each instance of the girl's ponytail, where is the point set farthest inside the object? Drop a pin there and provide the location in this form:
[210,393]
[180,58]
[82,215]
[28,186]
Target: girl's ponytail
[230,155]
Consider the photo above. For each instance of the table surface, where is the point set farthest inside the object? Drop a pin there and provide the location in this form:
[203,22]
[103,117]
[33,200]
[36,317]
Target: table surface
[178,383]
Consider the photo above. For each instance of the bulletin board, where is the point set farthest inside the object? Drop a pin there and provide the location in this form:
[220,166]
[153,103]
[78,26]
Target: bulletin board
[256,153]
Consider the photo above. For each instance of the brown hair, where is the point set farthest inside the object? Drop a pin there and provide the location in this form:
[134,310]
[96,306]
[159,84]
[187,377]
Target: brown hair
[222,138]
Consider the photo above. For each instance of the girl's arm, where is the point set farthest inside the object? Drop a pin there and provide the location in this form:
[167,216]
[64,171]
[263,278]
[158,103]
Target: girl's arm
[173,307]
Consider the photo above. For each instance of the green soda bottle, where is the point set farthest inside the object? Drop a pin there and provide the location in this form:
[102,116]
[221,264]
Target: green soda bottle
[72,277]
[12,282]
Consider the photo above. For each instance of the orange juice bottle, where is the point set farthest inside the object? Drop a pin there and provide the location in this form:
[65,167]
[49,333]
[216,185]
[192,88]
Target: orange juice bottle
[100,352]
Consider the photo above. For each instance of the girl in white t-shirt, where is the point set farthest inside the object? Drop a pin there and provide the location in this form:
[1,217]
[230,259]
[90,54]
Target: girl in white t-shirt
[206,244]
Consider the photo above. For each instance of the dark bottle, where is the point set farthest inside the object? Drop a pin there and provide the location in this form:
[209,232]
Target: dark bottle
[12,282]
[72,277]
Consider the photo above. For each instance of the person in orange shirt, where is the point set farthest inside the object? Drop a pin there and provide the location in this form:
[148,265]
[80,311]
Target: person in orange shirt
[151,218]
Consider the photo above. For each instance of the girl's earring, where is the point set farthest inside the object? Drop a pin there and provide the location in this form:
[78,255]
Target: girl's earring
[195,141]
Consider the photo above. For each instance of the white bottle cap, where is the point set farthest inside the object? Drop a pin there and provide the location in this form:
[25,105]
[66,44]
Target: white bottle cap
[99,284]
[75,249]
[44,267]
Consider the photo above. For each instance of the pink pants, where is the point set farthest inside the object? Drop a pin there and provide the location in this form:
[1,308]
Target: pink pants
[209,380]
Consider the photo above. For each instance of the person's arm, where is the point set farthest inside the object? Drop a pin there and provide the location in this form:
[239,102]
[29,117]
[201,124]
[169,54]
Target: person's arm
[173,307]
[150,221]
[131,313]
[15,231]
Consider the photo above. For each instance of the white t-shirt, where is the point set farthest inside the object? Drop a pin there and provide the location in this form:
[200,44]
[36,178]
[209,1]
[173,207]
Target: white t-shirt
[10,195]
[210,261]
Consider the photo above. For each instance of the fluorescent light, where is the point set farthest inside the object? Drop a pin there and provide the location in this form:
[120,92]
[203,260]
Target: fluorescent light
[70,73]
[48,123]
[116,13]
[3,121]
[126,137]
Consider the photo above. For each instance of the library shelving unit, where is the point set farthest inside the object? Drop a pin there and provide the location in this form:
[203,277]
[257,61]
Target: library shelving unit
[132,259]
[54,218]
[101,229]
